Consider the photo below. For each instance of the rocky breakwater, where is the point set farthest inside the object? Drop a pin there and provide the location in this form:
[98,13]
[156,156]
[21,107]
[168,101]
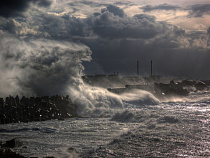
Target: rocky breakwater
[178,88]
[15,110]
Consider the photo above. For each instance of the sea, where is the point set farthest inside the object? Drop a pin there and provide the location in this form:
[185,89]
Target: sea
[143,127]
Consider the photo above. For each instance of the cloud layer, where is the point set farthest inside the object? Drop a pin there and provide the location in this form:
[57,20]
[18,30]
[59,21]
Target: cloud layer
[165,6]
[114,24]
[199,10]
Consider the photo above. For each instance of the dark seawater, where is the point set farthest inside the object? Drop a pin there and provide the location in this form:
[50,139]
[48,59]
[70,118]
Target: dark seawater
[176,128]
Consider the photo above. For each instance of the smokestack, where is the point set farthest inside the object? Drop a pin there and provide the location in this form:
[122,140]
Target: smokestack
[137,68]
[208,38]
[151,67]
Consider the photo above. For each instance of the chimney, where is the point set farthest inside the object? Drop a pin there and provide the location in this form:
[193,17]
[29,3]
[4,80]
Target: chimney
[137,68]
[151,67]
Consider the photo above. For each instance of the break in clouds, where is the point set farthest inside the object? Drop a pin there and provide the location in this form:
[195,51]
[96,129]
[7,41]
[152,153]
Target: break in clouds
[46,46]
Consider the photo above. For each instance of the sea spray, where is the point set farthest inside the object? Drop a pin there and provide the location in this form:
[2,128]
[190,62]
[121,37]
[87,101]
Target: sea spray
[139,97]
[40,67]
[91,99]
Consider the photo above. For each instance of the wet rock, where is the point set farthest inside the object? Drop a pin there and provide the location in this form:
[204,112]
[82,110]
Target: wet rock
[171,89]
[8,153]
[12,143]
[199,85]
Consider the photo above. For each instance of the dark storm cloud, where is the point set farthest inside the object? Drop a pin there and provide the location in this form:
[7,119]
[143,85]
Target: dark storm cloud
[124,3]
[88,3]
[168,59]
[61,27]
[43,3]
[199,10]
[208,37]
[144,16]
[115,10]
[123,40]
[13,8]
[174,52]
[208,31]
[113,23]
[165,6]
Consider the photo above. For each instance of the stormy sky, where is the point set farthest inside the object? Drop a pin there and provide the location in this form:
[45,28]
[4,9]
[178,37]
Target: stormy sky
[47,44]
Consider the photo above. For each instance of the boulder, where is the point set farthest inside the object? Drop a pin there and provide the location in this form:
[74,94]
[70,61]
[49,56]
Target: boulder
[12,143]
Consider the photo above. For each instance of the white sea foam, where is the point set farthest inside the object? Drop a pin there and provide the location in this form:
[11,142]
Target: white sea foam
[89,99]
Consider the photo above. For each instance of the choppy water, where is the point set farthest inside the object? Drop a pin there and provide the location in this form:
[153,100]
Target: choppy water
[178,128]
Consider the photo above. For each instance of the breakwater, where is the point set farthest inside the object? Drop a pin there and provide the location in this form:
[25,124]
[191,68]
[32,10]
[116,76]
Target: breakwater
[14,109]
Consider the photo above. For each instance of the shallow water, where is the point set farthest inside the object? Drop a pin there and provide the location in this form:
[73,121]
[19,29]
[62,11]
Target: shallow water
[178,128]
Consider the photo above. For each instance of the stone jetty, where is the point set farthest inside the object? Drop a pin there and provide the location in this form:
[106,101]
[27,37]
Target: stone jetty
[14,109]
